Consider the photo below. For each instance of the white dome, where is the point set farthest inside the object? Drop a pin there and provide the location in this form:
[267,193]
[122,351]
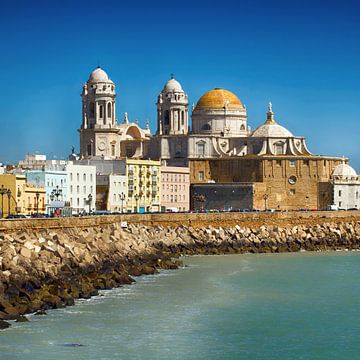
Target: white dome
[344,170]
[272,130]
[172,85]
[99,75]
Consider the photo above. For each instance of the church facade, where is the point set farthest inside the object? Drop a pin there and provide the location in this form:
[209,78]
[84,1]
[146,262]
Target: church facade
[271,165]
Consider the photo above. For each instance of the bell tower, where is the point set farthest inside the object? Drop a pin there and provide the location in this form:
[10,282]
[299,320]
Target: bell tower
[172,109]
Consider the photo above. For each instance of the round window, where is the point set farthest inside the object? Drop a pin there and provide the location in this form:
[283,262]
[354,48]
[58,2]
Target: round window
[292,180]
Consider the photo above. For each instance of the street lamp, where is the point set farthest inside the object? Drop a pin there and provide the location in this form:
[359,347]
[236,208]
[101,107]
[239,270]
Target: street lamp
[136,199]
[265,197]
[37,194]
[89,201]
[8,193]
[2,193]
[56,193]
[122,198]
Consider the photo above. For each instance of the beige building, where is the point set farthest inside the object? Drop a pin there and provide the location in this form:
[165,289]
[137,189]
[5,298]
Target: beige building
[143,186]
[175,183]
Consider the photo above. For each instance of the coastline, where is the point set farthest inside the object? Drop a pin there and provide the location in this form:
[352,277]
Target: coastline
[49,267]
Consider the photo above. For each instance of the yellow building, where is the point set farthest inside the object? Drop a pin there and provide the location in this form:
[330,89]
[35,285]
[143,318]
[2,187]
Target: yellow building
[143,177]
[7,195]
[24,198]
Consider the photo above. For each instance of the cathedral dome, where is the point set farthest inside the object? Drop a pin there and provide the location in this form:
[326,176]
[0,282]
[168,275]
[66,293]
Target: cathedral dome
[172,85]
[99,75]
[344,170]
[272,131]
[219,99]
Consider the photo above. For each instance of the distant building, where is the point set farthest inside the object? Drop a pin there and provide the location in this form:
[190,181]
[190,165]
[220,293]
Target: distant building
[346,187]
[143,185]
[111,192]
[175,182]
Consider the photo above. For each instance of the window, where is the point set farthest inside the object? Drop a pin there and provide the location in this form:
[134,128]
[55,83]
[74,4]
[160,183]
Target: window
[279,148]
[89,149]
[71,188]
[306,162]
[91,189]
[84,177]
[91,177]
[78,202]
[278,162]
[166,118]
[92,109]
[77,177]
[101,111]
[339,193]
[340,204]
[292,163]
[206,127]
[292,191]
[84,189]
[109,110]
[201,175]
[175,198]
[78,189]
[112,149]
[201,149]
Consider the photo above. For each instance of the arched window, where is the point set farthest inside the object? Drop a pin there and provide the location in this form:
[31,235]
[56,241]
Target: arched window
[166,118]
[92,109]
[109,110]
[206,127]
[182,118]
[242,127]
[101,111]
[279,148]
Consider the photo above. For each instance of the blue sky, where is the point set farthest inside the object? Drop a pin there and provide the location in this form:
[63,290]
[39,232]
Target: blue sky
[304,56]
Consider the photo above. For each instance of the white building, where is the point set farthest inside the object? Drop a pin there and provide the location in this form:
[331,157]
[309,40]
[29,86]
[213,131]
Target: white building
[81,180]
[346,187]
[111,192]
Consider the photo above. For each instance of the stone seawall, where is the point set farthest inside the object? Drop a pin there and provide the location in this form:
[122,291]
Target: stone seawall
[49,266]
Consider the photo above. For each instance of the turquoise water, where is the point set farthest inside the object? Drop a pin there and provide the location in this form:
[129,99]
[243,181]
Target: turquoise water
[266,306]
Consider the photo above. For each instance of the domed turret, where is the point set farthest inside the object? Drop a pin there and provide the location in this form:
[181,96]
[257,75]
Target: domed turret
[99,75]
[172,108]
[219,99]
[270,128]
[344,170]
[220,112]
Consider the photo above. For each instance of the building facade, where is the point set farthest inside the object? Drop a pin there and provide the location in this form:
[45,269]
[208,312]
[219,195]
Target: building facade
[143,186]
[175,183]
[346,187]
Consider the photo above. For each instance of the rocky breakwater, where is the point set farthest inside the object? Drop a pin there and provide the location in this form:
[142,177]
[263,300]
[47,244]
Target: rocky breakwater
[49,268]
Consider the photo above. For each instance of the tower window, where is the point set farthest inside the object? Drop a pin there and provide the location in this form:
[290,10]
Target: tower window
[109,110]
[206,127]
[182,118]
[92,109]
[88,150]
[101,111]
[166,118]
[113,150]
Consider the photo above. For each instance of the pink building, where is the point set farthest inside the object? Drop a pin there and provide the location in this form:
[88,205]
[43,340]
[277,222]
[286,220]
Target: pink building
[175,188]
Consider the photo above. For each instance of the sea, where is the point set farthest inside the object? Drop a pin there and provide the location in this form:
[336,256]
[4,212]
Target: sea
[253,306]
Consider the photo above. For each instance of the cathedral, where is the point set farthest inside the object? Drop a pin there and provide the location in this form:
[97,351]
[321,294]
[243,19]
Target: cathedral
[272,167]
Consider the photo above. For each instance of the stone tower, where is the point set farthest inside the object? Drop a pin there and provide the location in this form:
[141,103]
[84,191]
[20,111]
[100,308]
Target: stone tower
[98,126]
[172,108]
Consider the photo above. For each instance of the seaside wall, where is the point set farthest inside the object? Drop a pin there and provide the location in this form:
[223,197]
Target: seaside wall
[47,263]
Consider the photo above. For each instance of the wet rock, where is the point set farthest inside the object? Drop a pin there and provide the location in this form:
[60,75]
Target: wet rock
[4,324]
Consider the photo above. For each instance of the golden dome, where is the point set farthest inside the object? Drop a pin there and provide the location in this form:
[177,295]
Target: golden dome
[219,99]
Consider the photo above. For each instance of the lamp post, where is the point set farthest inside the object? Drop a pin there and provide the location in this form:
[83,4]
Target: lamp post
[2,193]
[89,201]
[37,194]
[265,197]
[122,198]
[56,193]
[8,193]
[136,199]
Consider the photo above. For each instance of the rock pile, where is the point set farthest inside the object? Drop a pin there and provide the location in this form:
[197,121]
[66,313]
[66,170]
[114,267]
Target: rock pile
[44,269]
